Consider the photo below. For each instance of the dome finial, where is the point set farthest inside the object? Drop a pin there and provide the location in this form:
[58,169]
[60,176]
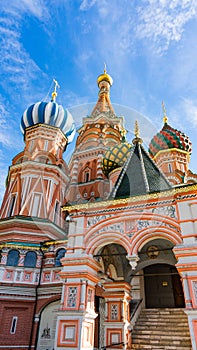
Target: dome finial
[137,138]
[165,118]
[137,131]
[105,68]
[123,134]
[105,77]
[54,93]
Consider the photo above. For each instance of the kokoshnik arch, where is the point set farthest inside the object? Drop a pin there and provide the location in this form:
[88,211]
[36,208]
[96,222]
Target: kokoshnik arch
[84,244]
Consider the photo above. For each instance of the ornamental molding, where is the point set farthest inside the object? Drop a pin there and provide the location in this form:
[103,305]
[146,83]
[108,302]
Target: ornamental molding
[164,211]
[130,227]
[160,197]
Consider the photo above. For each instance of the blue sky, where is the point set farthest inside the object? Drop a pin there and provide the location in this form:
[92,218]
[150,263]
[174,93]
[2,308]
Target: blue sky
[149,46]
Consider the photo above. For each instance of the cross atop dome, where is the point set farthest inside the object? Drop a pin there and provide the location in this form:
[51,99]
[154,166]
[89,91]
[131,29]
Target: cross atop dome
[54,93]
[165,118]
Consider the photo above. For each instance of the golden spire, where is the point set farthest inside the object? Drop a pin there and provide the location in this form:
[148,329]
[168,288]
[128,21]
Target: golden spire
[137,138]
[165,118]
[137,131]
[54,93]
[123,134]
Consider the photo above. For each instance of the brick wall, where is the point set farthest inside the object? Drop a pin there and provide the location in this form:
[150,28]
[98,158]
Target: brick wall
[23,310]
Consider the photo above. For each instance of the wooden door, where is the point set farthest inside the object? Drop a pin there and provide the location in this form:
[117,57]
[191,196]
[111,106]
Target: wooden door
[162,287]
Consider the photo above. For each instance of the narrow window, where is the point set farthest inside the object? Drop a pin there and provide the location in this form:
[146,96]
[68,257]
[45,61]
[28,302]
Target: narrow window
[30,259]
[12,205]
[46,142]
[36,205]
[60,254]
[170,168]
[56,212]
[13,325]
[87,176]
[13,257]
[31,146]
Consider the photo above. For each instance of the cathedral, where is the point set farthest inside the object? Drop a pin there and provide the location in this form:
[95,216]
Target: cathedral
[99,253]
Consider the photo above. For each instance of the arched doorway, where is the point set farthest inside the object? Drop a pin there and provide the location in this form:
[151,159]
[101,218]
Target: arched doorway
[114,267]
[163,287]
[47,328]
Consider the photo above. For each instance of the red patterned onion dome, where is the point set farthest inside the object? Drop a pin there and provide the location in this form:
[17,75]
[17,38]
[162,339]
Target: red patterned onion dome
[116,156]
[169,138]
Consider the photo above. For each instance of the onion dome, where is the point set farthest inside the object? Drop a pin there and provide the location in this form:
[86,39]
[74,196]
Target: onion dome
[116,156]
[49,113]
[105,77]
[169,138]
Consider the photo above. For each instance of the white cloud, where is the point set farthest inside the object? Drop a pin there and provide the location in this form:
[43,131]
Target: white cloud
[163,21]
[87,4]
[3,175]
[17,68]
[159,21]
[189,108]
[36,8]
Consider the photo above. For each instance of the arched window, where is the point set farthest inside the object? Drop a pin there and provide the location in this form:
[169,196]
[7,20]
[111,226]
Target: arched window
[87,176]
[56,212]
[30,259]
[170,168]
[13,257]
[60,254]
[11,205]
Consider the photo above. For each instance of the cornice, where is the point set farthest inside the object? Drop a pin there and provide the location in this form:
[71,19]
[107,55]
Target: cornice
[159,196]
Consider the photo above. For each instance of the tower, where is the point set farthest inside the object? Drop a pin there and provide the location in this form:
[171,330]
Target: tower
[101,130]
[171,150]
[32,226]
[38,176]
[124,239]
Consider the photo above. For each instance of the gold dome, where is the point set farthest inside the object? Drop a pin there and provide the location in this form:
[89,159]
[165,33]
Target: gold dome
[105,77]
[115,157]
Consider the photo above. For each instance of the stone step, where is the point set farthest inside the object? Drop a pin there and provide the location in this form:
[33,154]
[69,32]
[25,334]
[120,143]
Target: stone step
[166,332]
[160,338]
[158,347]
[163,310]
[161,329]
[155,325]
[163,316]
[162,321]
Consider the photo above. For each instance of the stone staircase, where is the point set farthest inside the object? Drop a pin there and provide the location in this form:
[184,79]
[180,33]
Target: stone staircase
[161,329]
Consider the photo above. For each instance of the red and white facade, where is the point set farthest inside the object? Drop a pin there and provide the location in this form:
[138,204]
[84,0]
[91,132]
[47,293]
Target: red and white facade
[75,263]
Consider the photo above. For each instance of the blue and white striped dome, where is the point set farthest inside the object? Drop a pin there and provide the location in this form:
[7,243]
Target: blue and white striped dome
[49,113]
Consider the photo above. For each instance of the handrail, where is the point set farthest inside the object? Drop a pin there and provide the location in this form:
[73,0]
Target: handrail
[135,308]
[111,345]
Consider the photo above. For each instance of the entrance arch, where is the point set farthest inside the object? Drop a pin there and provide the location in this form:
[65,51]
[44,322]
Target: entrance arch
[163,287]
[47,328]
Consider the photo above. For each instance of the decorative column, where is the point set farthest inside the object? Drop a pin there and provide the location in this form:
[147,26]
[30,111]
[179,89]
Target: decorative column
[4,255]
[117,324]
[187,268]
[22,257]
[75,322]
[99,166]
[75,171]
